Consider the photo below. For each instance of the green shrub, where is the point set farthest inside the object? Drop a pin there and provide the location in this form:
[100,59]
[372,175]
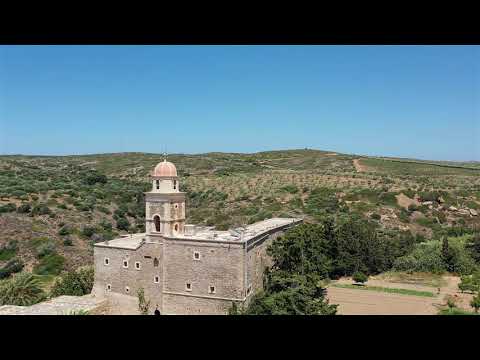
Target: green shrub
[88,231]
[74,283]
[106,225]
[292,189]
[64,230]
[94,177]
[375,216]
[41,209]
[21,290]
[403,216]
[67,241]
[123,224]
[428,257]
[24,208]
[49,265]
[470,283]
[13,266]
[322,201]
[359,277]
[412,208]
[103,209]
[8,208]
[388,198]
[475,303]
[8,251]
[46,248]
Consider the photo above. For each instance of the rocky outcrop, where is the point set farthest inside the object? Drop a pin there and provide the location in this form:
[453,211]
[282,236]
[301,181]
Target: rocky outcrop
[62,305]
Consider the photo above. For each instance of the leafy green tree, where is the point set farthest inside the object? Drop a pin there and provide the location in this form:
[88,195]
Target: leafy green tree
[475,303]
[94,177]
[288,294]
[447,254]
[474,247]
[358,248]
[21,290]
[470,283]
[304,249]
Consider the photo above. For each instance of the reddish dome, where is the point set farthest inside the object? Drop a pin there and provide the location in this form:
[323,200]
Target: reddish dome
[165,168]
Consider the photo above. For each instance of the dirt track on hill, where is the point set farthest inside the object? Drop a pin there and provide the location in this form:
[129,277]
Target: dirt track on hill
[404,201]
[359,167]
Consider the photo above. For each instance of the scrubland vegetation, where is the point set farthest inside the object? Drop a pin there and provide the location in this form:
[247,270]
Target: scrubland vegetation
[388,215]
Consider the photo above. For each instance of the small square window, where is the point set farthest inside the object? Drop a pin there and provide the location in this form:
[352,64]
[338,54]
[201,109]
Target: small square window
[196,255]
[127,289]
[188,286]
[109,287]
[211,289]
[156,279]
[106,261]
[137,265]
[125,264]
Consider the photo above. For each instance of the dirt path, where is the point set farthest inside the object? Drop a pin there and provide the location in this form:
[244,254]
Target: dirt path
[359,167]
[404,201]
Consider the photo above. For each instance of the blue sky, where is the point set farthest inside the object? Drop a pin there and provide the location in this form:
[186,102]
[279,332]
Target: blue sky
[406,101]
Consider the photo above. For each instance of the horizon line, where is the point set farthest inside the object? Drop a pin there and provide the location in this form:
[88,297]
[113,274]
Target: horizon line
[241,153]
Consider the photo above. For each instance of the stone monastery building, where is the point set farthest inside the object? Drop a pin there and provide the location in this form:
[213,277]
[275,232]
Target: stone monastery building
[183,268]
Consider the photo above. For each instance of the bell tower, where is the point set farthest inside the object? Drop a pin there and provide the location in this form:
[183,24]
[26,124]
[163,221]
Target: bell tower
[165,203]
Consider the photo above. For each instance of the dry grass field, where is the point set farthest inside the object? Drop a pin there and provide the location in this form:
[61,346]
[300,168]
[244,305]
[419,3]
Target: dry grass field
[357,301]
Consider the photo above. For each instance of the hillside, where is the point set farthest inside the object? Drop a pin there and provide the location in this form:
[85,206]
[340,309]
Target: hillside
[52,209]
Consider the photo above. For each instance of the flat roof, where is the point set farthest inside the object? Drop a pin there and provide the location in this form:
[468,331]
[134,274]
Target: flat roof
[205,233]
[242,234]
[130,242]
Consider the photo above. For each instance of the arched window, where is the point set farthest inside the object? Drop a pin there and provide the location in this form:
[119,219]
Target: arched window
[158,184]
[174,184]
[155,262]
[176,227]
[156,220]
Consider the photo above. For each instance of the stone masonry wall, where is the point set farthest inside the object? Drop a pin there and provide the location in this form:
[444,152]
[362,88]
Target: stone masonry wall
[257,262]
[185,305]
[220,265]
[119,277]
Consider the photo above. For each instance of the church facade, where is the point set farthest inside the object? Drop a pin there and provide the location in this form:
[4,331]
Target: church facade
[184,268]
